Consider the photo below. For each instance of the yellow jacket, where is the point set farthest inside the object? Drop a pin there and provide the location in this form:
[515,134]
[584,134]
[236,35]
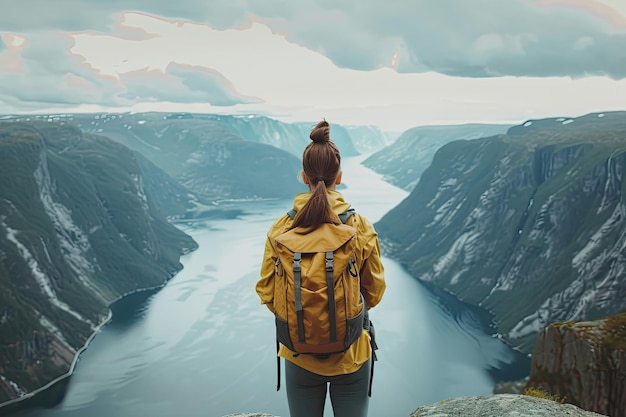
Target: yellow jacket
[372,286]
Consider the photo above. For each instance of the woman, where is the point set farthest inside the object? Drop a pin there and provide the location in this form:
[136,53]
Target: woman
[347,373]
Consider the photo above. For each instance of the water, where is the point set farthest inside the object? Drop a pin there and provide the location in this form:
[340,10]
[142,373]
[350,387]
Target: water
[204,346]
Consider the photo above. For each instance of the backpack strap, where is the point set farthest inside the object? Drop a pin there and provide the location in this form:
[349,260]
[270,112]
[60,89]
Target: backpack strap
[332,308]
[297,283]
[343,216]
[374,358]
[278,366]
[346,215]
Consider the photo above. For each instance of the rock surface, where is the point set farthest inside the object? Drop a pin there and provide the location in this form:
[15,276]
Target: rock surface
[585,362]
[499,406]
[250,415]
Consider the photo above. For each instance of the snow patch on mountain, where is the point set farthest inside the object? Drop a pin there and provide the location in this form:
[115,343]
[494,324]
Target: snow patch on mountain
[42,280]
[73,241]
[455,251]
[581,261]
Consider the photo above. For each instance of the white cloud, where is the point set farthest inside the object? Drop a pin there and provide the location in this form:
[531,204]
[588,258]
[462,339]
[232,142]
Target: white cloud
[290,79]
[306,61]
[180,84]
[365,34]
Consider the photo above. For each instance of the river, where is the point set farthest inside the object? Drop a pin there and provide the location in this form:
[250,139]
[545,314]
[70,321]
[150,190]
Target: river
[204,346]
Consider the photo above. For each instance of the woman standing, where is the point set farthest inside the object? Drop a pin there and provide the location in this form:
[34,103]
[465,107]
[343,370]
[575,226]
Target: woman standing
[346,374]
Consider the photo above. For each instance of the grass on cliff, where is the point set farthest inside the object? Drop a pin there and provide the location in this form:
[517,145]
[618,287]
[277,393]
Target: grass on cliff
[540,393]
[616,326]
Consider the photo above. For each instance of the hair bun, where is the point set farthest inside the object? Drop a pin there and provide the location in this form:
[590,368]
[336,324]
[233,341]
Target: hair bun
[321,132]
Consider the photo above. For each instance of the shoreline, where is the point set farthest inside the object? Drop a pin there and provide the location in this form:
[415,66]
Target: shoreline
[64,377]
[15,402]
[518,368]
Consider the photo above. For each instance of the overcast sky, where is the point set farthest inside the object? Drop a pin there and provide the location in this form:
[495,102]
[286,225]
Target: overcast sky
[392,63]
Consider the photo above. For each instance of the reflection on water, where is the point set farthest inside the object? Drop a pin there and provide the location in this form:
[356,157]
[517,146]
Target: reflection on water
[204,346]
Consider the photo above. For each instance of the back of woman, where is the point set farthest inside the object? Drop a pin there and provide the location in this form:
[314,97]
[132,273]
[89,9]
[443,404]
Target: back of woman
[346,373]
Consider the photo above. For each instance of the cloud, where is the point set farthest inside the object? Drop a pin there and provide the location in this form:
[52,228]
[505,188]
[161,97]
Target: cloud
[402,63]
[41,72]
[81,15]
[181,84]
[481,38]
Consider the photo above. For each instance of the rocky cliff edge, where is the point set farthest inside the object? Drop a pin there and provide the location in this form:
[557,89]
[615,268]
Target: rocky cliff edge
[584,362]
[488,406]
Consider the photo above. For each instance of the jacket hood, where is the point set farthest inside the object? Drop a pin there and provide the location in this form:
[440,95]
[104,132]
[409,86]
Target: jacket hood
[337,202]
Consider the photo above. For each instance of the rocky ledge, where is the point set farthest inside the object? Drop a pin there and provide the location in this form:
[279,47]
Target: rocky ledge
[489,406]
[501,405]
[250,415]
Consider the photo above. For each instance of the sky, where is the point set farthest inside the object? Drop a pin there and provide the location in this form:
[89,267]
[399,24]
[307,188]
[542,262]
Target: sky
[395,64]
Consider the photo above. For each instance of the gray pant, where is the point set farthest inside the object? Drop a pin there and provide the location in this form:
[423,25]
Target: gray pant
[306,392]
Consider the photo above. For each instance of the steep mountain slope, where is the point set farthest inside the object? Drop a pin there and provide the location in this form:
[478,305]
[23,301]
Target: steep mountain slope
[530,225]
[78,229]
[403,162]
[199,152]
[220,157]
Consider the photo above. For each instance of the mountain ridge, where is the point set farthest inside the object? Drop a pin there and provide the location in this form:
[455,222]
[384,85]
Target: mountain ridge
[403,162]
[78,231]
[515,217]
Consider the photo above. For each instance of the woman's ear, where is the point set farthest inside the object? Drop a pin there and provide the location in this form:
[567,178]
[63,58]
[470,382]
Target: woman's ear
[338,179]
[305,179]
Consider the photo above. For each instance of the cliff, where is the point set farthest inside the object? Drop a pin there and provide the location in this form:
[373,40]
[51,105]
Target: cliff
[529,225]
[584,362]
[403,162]
[218,158]
[78,229]
[205,154]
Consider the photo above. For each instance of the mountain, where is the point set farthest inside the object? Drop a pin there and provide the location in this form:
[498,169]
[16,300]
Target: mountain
[369,139]
[583,362]
[78,229]
[529,225]
[403,162]
[220,157]
[199,152]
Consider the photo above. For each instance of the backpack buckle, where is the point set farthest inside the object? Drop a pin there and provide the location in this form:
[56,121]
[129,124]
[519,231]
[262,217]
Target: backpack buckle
[297,257]
[330,262]
[352,269]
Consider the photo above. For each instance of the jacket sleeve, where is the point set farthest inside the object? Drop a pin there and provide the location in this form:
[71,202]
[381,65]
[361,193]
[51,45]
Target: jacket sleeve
[265,285]
[372,271]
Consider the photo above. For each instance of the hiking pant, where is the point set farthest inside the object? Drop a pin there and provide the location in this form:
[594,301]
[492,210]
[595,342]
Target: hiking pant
[306,392]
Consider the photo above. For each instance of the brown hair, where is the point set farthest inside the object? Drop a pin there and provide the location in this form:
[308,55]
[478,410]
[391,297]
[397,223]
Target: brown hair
[321,163]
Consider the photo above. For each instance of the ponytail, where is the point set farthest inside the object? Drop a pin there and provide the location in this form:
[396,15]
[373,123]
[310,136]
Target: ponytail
[321,163]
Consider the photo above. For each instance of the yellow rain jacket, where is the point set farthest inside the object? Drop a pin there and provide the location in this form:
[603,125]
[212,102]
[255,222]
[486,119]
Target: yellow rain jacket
[372,286]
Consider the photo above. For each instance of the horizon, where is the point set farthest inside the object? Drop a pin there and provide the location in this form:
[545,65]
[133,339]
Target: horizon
[248,115]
